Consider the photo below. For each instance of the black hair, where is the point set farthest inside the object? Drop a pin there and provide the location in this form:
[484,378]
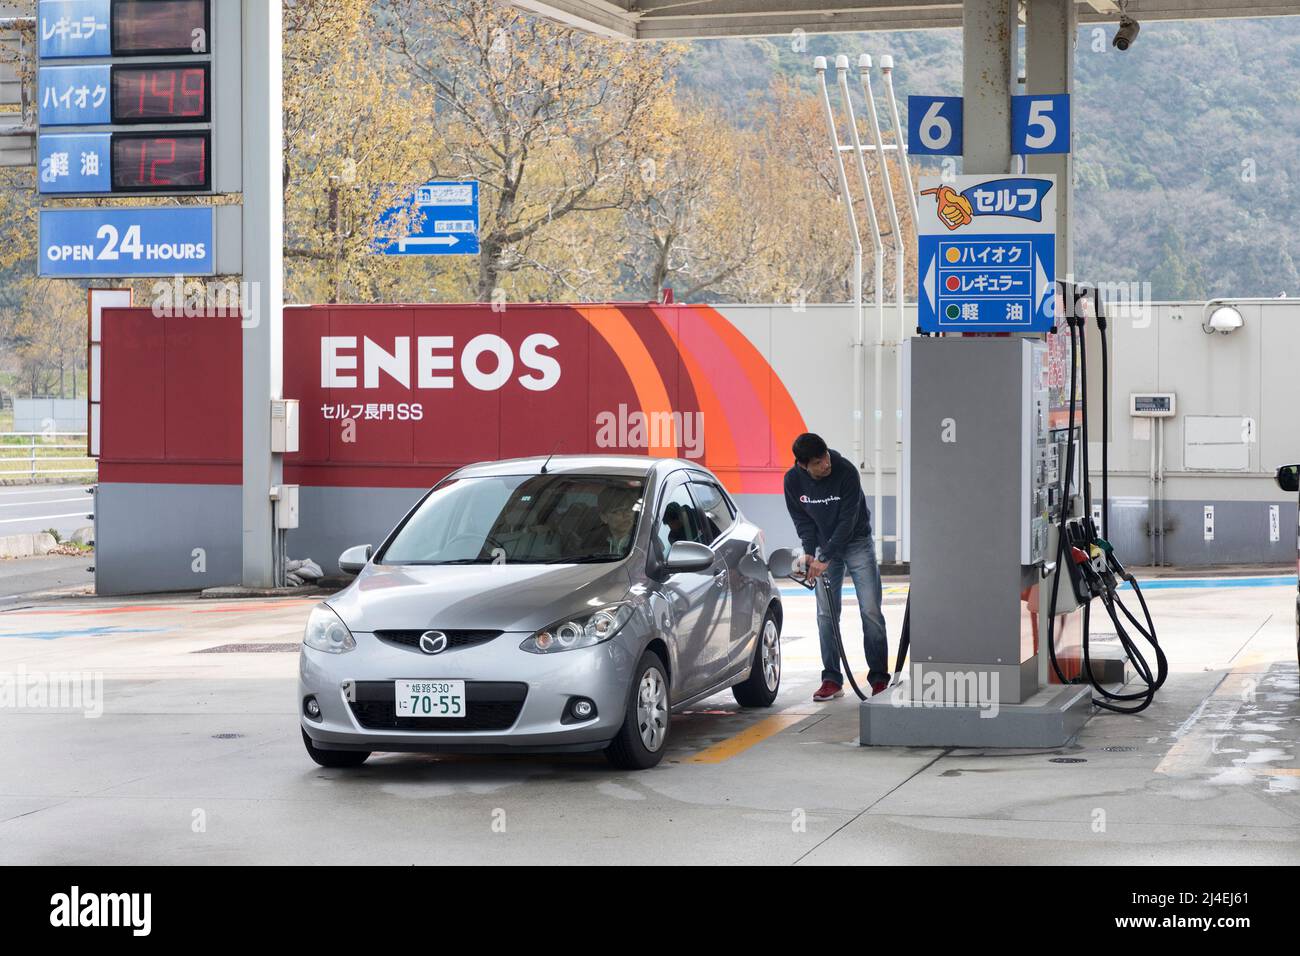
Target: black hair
[807,447]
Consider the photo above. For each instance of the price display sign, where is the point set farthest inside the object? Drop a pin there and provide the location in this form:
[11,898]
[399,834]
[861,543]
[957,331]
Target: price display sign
[161,93]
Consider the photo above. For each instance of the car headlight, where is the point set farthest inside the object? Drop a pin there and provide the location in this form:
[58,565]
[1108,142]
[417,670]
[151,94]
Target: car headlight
[326,631]
[582,631]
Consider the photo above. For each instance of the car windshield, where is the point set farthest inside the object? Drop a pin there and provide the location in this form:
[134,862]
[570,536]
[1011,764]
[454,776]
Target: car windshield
[522,519]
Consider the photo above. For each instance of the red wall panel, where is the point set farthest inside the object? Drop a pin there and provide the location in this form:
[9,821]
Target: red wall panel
[172,391]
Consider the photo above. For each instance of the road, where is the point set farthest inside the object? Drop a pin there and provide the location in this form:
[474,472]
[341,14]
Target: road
[28,508]
[178,754]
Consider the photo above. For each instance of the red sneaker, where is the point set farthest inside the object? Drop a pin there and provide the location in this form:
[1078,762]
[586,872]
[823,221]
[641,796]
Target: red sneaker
[879,687]
[828,691]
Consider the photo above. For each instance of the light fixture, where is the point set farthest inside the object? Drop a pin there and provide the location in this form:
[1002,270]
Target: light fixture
[1225,320]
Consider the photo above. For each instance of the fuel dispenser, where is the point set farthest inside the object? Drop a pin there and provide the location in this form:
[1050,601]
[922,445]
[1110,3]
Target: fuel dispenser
[1006,559]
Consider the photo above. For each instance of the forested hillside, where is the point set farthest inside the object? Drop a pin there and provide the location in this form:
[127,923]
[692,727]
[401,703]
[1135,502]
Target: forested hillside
[1187,145]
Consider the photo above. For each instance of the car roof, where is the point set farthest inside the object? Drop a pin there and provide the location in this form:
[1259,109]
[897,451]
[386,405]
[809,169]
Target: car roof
[639,466]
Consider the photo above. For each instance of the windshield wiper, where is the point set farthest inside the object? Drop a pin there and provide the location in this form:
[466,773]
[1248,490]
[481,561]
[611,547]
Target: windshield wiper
[584,559]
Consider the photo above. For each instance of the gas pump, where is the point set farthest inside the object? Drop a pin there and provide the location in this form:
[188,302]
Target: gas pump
[1003,546]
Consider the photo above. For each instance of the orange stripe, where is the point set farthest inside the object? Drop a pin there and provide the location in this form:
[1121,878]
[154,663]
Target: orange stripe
[717,427]
[651,393]
[784,419]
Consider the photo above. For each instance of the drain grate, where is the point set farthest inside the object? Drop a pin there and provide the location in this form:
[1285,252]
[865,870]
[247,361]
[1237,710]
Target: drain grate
[1068,760]
[1119,750]
[249,649]
[226,736]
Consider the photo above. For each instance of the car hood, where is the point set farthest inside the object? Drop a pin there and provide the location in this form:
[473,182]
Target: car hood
[504,597]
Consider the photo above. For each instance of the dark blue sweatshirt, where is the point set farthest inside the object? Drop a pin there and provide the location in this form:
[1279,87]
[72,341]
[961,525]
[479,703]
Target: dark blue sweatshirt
[828,513]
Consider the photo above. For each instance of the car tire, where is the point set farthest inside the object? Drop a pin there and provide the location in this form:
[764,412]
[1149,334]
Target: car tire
[764,681]
[334,758]
[642,739]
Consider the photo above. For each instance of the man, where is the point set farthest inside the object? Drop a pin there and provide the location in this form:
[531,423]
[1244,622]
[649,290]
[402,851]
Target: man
[823,494]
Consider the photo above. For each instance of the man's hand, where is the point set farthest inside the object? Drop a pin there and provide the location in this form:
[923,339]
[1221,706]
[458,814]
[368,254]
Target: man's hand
[815,568]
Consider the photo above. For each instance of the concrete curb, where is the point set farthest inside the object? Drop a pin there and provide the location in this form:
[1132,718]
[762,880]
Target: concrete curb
[27,545]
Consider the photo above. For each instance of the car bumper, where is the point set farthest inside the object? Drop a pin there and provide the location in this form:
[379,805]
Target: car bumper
[350,689]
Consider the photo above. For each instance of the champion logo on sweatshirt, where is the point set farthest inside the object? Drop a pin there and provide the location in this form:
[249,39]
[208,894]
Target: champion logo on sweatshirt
[804,499]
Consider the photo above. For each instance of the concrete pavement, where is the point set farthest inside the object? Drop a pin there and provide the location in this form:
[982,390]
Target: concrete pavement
[197,759]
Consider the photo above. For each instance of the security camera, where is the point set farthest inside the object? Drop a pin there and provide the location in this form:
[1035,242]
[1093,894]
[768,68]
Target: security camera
[1127,33]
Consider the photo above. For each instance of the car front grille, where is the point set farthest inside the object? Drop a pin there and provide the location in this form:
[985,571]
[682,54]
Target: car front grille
[488,706]
[455,639]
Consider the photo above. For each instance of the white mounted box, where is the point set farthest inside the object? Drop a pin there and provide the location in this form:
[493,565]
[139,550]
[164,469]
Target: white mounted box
[286,507]
[284,425]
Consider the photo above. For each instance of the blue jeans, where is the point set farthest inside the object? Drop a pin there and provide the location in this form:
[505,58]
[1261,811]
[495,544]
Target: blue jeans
[860,559]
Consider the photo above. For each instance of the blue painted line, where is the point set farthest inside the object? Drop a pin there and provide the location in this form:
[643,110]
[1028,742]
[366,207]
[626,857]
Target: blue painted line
[1150,584]
[82,632]
[1163,584]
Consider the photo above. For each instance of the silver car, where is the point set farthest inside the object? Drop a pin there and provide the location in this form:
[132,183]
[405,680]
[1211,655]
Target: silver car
[562,604]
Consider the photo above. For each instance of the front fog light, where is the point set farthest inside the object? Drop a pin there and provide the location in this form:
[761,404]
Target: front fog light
[578,710]
[311,707]
[326,632]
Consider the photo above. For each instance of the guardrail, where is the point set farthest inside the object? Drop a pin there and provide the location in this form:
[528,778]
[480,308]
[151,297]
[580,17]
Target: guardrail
[32,447]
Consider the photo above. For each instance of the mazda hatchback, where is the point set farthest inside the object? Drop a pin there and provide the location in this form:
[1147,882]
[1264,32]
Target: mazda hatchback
[563,604]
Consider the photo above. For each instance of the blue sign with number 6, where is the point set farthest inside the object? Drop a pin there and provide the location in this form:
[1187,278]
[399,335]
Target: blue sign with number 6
[934,125]
[1040,124]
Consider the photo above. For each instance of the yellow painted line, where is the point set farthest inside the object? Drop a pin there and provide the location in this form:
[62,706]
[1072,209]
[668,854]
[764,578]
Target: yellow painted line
[1279,772]
[1197,735]
[750,736]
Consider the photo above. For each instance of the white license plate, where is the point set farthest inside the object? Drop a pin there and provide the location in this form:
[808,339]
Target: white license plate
[430,698]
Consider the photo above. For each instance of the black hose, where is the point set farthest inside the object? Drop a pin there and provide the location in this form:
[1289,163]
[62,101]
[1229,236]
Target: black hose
[1102,584]
[904,638]
[1065,513]
[835,629]
[821,593]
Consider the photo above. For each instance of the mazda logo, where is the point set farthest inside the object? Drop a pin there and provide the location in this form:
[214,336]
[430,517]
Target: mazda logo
[433,642]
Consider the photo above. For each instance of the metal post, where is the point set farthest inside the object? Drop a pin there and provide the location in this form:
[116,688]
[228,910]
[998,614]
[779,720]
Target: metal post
[263,235]
[989,32]
[903,519]
[1051,28]
[900,278]
[819,64]
[900,134]
[842,69]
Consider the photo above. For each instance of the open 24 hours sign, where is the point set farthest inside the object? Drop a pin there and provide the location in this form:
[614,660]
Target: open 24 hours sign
[987,254]
[159,241]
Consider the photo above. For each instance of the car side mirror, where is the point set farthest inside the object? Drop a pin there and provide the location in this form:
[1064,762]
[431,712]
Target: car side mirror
[354,559]
[685,556]
[1288,477]
[781,562]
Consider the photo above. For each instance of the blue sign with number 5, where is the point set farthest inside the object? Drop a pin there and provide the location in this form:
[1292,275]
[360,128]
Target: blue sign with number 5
[934,125]
[1040,124]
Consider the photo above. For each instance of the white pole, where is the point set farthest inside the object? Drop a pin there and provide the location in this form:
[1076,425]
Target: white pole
[900,142]
[877,411]
[263,236]
[819,64]
[900,270]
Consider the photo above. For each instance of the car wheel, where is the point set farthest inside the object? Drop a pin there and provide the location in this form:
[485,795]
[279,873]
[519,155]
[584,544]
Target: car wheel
[334,758]
[641,740]
[764,681]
